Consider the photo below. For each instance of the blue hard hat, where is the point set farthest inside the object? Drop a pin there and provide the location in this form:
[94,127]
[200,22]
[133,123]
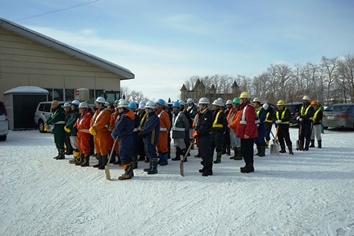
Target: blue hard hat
[161,102]
[176,104]
[132,105]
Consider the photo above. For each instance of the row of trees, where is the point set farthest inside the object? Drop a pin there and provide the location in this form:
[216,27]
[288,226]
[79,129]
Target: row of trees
[331,81]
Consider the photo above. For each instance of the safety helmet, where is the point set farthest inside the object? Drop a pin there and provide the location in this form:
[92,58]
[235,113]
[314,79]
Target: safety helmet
[83,105]
[280,103]
[176,104]
[123,104]
[228,102]
[217,102]
[150,104]
[306,98]
[236,101]
[66,104]
[189,101]
[75,102]
[182,103]
[132,105]
[116,102]
[256,100]
[265,106]
[160,102]
[244,95]
[106,103]
[101,100]
[142,105]
[203,100]
[318,101]
[314,102]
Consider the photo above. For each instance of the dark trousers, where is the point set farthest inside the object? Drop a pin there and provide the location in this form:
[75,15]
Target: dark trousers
[247,150]
[150,149]
[217,141]
[306,130]
[283,134]
[268,128]
[205,150]
[260,138]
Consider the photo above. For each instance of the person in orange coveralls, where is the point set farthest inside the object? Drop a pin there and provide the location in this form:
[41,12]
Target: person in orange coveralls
[165,126]
[83,135]
[99,129]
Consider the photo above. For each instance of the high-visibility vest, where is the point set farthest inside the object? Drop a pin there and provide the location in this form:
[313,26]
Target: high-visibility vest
[306,111]
[268,118]
[175,119]
[215,124]
[282,117]
[316,113]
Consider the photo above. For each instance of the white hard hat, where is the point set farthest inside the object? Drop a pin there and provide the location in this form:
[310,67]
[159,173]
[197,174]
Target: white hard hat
[106,103]
[228,102]
[220,99]
[83,105]
[75,102]
[203,100]
[142,105]
[265,106]
[306,98]
[189,101]
[181,102]
[101,100]
[217,102]
[123,104]
[150,104]
[66,104]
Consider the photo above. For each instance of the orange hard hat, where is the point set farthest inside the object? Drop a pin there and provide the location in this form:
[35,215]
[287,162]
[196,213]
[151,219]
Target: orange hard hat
[314,102]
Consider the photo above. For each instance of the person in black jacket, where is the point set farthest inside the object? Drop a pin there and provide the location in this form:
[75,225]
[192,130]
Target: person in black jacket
[305,123]
[179,126]
[316,128]
[282,118]
[203,131]
[218,131]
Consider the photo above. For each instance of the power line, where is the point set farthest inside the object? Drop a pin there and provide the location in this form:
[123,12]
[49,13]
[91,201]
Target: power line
[47,13]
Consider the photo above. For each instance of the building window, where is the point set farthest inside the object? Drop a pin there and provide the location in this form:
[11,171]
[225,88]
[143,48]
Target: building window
[58,94]
[69,94]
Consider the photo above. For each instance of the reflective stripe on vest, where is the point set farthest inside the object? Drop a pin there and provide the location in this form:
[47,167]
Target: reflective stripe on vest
[307,110]
[243,118]
[282,117]
[175,121]
[84,130]
[142,120]
[267,118]
[215,124]
[316,113]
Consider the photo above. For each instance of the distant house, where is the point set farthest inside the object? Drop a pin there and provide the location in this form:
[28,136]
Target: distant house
[200,90]
[28,58]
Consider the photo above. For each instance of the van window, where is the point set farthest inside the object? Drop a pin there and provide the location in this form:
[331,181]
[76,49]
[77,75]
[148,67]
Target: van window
[2,109]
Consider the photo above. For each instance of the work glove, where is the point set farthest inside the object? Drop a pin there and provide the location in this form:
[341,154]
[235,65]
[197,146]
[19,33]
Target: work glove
[67,129]
[92,131]
[46,127]
[278,122]
[299,119]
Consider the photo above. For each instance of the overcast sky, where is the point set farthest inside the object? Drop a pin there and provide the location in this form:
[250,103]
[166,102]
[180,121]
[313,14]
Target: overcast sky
[165,42]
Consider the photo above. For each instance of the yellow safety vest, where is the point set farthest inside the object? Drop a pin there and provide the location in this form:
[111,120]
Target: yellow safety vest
[315,114]
[282,117]
[215,124]
[268,118]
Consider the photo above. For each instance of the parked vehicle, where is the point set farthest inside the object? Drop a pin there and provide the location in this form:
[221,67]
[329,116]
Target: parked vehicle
[43,111]
[339,116]
[4,122]
[294,108]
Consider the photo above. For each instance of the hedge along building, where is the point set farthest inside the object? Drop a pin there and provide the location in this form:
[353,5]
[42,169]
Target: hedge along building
[28,58]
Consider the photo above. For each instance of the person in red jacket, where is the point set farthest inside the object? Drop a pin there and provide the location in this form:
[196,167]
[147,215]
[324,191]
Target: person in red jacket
[247,131]
[83,135]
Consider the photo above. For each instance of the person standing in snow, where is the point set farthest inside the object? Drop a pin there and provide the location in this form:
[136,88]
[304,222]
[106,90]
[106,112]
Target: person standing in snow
[305,123]
[68,147]
[123,130]
[203,131]
[150,132]
[232,125]
[57,118]
[179,126]
[261,115]
[282,118]
[72,131]
[219,128]
[165,126]
[316,125]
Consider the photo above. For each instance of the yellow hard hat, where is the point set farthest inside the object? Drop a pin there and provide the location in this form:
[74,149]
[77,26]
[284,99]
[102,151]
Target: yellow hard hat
[280,103]
[256,100]
[245,95]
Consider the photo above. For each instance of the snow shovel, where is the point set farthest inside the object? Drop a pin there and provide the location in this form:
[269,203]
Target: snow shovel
[106,167]
[181,167]
[274,147]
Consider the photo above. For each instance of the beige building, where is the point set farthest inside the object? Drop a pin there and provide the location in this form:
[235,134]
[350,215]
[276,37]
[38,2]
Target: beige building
[28,58]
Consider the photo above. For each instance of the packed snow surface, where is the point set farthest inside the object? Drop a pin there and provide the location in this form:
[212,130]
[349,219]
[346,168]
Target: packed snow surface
[309,193]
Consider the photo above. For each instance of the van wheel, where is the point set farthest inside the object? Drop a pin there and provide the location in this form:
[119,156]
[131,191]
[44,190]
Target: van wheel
[41,126]
[3,138]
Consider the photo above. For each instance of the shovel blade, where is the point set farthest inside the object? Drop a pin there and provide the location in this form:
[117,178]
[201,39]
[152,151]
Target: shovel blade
[274,149]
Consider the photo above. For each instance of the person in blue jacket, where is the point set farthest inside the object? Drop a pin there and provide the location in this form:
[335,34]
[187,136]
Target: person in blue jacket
[150,132]
[261,115]
[123,130]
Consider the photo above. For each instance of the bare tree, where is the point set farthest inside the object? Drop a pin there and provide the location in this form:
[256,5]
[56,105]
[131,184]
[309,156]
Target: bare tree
[330,75]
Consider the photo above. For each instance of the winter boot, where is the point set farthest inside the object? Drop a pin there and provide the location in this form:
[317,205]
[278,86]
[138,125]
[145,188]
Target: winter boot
[218,158]
[150,166]
[235,154]
[248,168]
[208,170]
[239,154]
[86,161]
[61,154]
[258,150]
[319,142]
[113,159]
[135,162]
[290,150]
[57,156]
[163,159]
[153,169]
[198,154]
[183,153]
[76,157]
[312,144]
[99,158]
[178,155]
[81,160]
[307,144]
[301,145]
[104,162]
[262,154]
[282,149]
[228,151]
[128,174]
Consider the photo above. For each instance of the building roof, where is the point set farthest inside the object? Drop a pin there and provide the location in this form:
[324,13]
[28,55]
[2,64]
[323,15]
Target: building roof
[62,47]
[27,90]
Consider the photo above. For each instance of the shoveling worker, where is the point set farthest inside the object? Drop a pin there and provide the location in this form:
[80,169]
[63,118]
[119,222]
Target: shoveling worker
[282,118]
[232,119]
[70,129]
[247,131]
[305,123]
[68,148]
[165,125]
[218,130]
[316,127]
[83,135]
[203,131]
[123,130]
[150,132]
[179,126]
[57,118]
[261,115]
[99,129]
[268,122]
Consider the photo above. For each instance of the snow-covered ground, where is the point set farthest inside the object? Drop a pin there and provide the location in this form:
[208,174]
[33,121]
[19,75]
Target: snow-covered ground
[310,193]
